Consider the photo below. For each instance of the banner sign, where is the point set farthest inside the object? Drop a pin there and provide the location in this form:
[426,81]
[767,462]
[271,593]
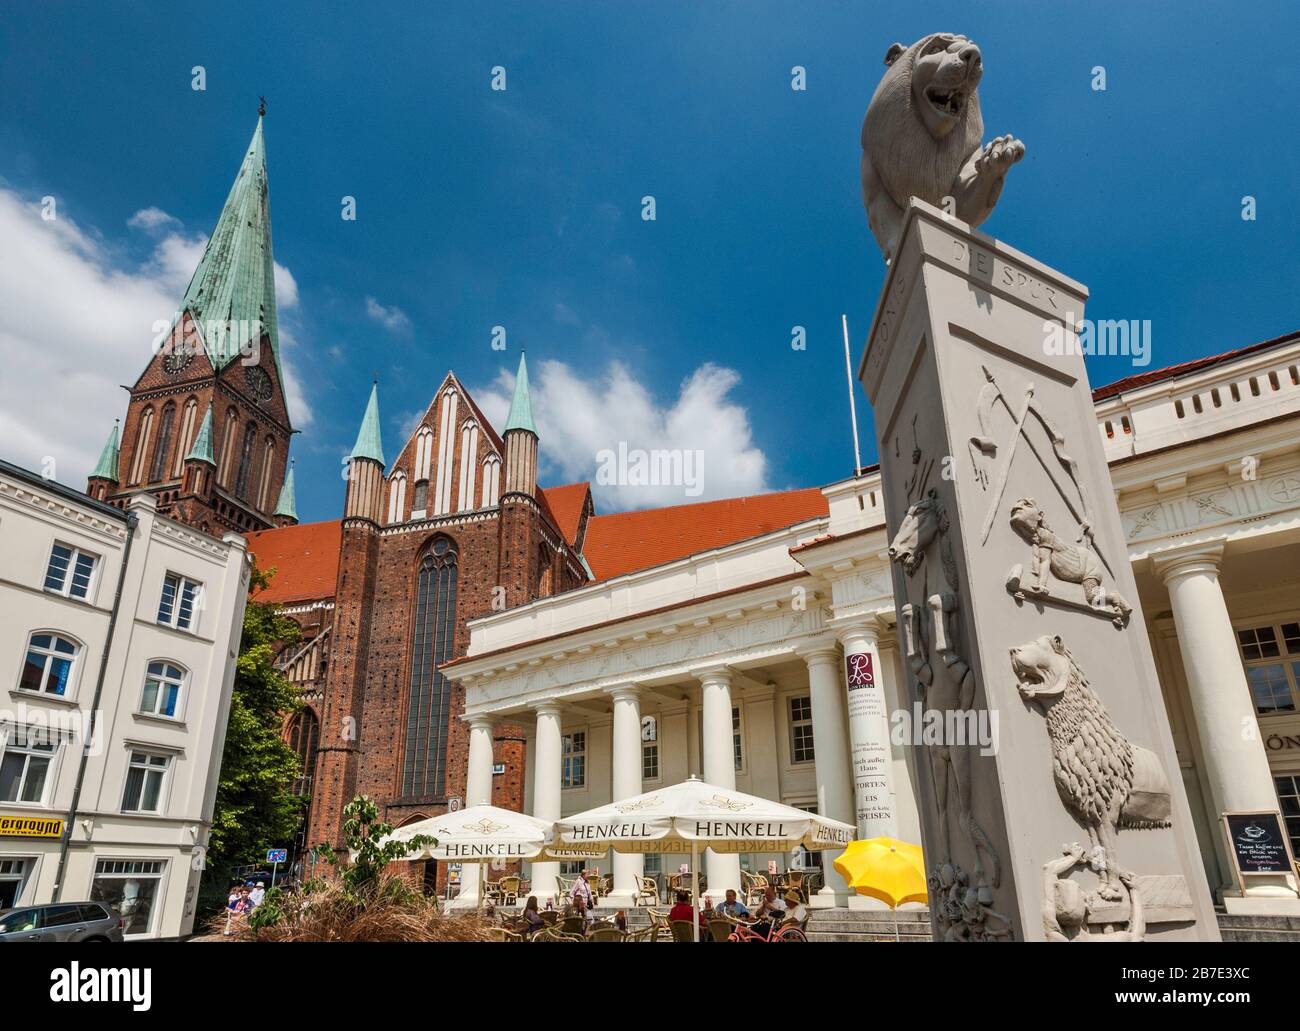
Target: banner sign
[12,826]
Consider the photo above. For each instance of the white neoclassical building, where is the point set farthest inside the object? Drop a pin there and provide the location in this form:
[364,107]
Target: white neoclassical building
[119,631]
[769,663]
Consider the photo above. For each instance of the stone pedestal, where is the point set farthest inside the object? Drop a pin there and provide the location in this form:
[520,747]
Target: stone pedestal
[1050,795]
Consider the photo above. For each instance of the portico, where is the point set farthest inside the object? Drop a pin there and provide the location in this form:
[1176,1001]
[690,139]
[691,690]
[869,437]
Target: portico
[741,686]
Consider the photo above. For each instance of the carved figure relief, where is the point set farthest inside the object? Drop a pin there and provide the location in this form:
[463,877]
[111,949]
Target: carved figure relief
[1105,781]
[931,632]
[1067,910]
[1066,562]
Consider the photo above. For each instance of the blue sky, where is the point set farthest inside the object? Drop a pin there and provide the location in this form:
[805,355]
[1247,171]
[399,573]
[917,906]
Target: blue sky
[523,208]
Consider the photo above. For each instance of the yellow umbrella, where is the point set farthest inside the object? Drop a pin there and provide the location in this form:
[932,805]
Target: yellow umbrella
[886,869]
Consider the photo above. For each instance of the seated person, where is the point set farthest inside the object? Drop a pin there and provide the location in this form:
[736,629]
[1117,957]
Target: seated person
[770,911]
[682,910]
[732,907]
[795,911]
[531,918]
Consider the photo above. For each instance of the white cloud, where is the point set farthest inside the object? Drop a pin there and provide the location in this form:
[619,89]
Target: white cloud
[577,418]
[152,220]
[75,323]
[392,319]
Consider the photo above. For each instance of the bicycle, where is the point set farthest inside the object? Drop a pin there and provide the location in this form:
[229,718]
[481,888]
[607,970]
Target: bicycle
[776,932]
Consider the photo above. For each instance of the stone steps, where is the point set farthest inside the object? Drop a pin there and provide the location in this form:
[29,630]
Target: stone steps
[1238,928]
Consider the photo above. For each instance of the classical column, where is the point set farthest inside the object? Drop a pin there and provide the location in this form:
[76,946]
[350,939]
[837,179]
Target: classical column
[478,791]
[1236,764]
[831,753]
[626,777]
[546,792]
[719,765]
[868,711]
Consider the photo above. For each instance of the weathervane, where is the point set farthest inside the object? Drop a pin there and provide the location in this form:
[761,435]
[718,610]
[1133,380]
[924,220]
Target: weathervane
[261,107]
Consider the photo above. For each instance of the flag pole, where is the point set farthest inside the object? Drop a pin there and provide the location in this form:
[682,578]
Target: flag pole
[853,408]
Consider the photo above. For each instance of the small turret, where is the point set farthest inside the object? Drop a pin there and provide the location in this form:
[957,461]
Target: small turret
[521,438]
[286,512]
[103,481]
[199,463]
[366,466]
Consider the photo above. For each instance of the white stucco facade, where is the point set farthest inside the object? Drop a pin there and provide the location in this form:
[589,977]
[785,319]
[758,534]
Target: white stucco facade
[1205,465]
[137,837]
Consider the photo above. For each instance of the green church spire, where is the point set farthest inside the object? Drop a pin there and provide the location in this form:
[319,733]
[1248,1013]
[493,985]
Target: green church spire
[202,449]
[369,444]
[288,505]
[521,405]
[232,293]
[107,467]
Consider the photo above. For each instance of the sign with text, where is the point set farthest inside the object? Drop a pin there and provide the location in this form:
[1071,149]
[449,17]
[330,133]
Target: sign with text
[1258,843]
[13,826]
[277,855]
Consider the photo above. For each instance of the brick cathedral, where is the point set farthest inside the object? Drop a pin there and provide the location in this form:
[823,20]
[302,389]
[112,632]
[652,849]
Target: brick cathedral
[454,527]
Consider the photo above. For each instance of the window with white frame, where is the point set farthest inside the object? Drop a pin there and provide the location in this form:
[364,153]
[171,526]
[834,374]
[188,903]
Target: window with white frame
[29,753]
[801,730]
[146,776]
[1287,786]
[737,748]
[13,875]
[650,761]
[130,888]
[50,664]
[70,571]
[163,681]
[181,599]
[574,760]
[1272,658]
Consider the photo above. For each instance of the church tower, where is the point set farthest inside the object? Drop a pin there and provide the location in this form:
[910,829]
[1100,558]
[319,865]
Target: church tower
[354,603]
[216,375]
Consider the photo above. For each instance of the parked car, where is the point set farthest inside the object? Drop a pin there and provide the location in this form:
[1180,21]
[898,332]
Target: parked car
[60,922]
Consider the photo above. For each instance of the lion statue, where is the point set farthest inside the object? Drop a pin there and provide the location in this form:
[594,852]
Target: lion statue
[922,138]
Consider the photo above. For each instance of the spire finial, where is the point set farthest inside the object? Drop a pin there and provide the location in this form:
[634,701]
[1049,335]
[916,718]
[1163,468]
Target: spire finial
[261,107]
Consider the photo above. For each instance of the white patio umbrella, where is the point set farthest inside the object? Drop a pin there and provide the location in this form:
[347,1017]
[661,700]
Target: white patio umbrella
[480,834]
[693,815]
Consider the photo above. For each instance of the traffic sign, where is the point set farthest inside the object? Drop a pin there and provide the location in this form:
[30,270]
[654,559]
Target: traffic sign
[277,855]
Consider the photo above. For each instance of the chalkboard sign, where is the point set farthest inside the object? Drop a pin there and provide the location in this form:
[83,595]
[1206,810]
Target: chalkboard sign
[1258,843]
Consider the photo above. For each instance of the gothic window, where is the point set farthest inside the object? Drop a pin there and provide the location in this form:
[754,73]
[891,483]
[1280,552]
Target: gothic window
[159,471]
[428,712]
[268,464]
[468,452]
[246,461]
[544,573]
[142,438]
[228,447]
[397,498]
[189,419]
[491,480]
[420,503]
[304,737]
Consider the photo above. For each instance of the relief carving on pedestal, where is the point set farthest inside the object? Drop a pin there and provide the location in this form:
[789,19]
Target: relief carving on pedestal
[1066,562]
[931,632]
[1104,780]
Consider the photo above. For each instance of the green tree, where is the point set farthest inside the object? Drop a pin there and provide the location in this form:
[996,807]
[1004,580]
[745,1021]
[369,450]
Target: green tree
[361,871]
[255,807]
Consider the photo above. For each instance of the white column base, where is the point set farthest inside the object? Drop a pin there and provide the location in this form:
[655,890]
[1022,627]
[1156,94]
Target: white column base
[1261,905]
[828,898]
[616,900]
[865,903]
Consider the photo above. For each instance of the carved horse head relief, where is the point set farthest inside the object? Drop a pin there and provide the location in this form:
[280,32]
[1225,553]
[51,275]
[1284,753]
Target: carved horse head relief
[921,526]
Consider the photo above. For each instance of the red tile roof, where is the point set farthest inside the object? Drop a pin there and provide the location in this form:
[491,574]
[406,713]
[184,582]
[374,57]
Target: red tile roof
[566,504]
[306,558]
[1144,379]
[628,541]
